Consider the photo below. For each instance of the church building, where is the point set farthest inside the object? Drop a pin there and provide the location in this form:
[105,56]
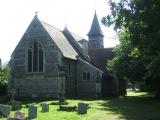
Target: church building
[48,61]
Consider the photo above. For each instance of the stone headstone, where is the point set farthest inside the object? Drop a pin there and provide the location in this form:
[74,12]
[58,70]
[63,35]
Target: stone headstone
[16,105]
[32,112]
[82,108]
[45,107]
[5,110]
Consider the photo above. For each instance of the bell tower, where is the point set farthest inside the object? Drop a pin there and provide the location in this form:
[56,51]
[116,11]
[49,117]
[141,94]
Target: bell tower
[95,35]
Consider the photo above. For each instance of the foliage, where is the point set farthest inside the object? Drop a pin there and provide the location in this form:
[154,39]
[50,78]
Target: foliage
[141,19]
[127,62]
[4,74]
[4,77]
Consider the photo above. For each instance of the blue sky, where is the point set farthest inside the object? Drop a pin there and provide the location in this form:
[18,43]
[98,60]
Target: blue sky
[77,15]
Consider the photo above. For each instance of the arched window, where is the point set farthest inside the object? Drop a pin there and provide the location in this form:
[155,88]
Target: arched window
[69,69]
[84,75]
[35,58]
[88,75]
[40,59]
[30,54]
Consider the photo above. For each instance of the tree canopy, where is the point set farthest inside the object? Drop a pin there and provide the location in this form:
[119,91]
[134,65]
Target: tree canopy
[4,78]
[4,74]
[138,55]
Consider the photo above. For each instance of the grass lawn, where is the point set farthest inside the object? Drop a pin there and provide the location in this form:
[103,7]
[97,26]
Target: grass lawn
[135,106]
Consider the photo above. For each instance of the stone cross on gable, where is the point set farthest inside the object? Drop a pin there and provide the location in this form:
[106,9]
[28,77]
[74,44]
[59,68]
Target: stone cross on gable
[36,13]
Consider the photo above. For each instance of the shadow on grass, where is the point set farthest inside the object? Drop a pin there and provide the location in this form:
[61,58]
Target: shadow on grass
[34,101]
[134,107]
[40,100]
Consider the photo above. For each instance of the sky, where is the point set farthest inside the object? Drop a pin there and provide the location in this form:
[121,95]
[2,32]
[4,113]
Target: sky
[76,15]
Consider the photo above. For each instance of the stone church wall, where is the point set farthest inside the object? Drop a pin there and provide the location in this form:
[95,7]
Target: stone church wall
[45,84]
[38,87]
[70,78]
[91,87]
[58,74]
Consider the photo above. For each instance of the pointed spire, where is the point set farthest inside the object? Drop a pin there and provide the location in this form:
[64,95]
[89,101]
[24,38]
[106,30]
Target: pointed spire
[95,28]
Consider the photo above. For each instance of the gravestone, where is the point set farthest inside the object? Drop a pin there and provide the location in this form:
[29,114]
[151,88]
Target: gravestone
[32,112]
[5,110]
[45,107]
[16,105]
[82,108]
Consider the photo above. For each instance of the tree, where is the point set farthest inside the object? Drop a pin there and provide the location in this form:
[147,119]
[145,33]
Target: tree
[141,19]
[4,77]
[0,64]
[126,63]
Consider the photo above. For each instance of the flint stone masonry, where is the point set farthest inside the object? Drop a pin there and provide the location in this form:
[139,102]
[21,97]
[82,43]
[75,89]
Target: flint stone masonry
[5,110]
[32,112]
[45,107]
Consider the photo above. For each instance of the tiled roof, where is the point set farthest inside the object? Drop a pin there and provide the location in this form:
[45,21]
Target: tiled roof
[95,27]
[61,41]
[77,37]
[100,56]
[74,43]
[67,42]
[81,60]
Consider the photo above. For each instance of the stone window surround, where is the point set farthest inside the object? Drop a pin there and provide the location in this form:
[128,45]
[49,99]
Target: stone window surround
[84,76]
[32,44]
[87,76]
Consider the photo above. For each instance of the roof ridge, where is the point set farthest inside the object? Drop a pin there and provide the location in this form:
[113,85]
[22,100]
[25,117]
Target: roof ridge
[73,42]
[90,64]
[77,35]
[60,40]
[51,25]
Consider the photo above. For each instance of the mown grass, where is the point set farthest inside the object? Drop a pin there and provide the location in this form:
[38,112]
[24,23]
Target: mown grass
[135,106]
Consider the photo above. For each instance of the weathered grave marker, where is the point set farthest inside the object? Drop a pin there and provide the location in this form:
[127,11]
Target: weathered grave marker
[82,108]
[45,107]
[32,112]
[5,110]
